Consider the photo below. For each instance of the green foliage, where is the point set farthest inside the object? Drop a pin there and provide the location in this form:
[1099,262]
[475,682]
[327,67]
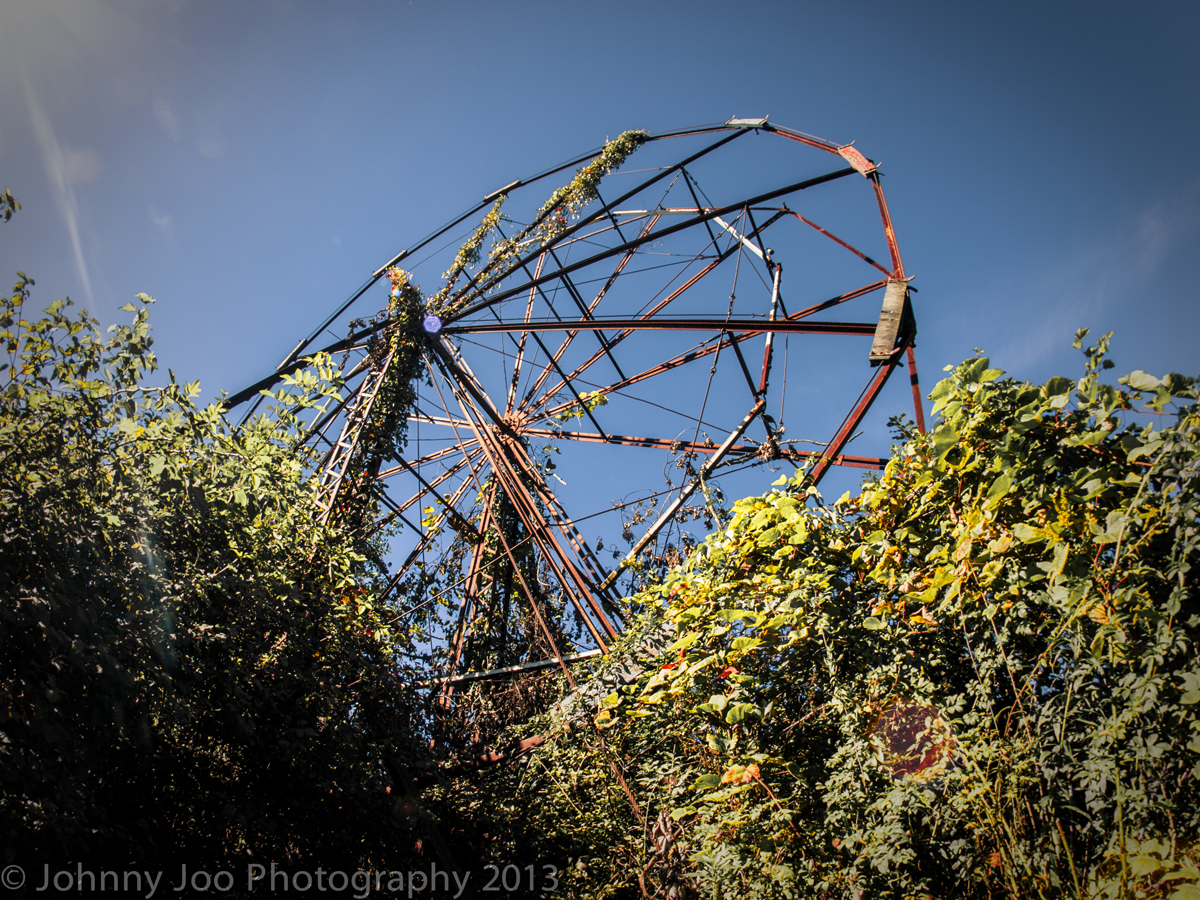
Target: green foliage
[189,662]
[568,201]
[565,203]
[978,678]
[468,255]
[8,204]
[591,400]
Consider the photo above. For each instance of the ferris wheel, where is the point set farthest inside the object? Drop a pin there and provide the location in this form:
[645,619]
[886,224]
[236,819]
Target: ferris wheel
[589,372]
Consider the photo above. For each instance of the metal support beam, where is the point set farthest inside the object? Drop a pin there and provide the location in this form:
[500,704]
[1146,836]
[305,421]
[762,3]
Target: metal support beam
[687,492]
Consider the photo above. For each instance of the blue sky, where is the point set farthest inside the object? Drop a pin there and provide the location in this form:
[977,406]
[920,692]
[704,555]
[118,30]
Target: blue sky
[249,164]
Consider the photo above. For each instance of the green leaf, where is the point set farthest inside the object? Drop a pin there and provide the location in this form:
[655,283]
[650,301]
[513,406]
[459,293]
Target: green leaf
[722,795]
[944,439]
[1027,534]
[1142,865]
[1058,386]
[769,537]
[737,615]
[1140,381]
[999,488]
[1190,688]
[973,371]
[745,643]
[873,623]
[739,711]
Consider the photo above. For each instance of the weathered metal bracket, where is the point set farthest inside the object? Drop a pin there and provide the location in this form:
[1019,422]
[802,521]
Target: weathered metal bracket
[891,318]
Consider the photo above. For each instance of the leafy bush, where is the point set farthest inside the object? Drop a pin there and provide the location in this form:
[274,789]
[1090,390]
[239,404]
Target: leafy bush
[977,678]
[189,661]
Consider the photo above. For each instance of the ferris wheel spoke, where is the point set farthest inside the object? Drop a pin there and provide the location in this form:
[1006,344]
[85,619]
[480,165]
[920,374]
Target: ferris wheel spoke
[437,481]
[685,493]
[620,267]
[585,312]
[504,294]
[520,358]
[672,444]
[701,351]
[427,538]
[506,470]
[426,459]
[837,240]
[641,317]
[425,418]
[495,280]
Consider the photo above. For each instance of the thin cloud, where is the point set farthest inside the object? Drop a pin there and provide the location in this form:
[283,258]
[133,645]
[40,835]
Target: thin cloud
[214,146]
[1167,224]
[82,166]
[1113,273]
[167,118]
[59,169]
[161,221]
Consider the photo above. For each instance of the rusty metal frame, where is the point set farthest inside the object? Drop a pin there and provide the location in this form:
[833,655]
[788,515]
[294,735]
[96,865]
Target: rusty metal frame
[490,443]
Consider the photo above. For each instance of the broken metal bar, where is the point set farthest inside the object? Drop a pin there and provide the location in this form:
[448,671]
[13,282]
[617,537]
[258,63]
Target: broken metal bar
[738,236]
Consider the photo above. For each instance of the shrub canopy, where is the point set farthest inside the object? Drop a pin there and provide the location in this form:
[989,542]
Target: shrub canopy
[191,665]
[978,678]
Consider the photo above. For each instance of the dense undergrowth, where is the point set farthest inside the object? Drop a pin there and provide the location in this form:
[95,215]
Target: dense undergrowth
[978,678]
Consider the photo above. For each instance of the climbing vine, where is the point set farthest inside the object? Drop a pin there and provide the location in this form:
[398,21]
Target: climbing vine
[565,203]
